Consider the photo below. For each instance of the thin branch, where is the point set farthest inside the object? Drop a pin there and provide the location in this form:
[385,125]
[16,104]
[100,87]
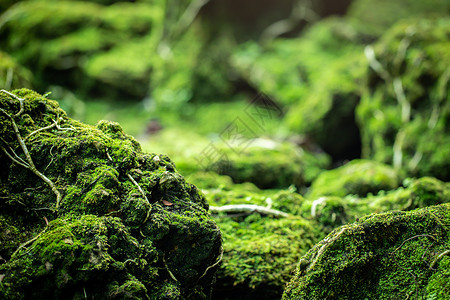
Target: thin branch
[439,257]
[247,208]
[219,259]
[18,98]
[28,242]
[30,162]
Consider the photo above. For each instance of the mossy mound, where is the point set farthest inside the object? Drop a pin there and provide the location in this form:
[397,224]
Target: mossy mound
[403,114]
[259,248]
[85,212]
[13,75]
[358,177]
[332,211]
[94,47]
[394,255]
[374,17]
[260,254]
[269,164]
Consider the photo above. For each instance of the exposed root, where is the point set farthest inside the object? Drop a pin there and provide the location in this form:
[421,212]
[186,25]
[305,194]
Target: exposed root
[438,258]
[29,164]
[247,208]
[325,246]
[28,242]
[413,237]
[168,270]
[219,259]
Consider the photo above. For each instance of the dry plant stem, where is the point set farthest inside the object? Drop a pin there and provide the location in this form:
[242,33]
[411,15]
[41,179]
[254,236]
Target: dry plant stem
[143,194]
[219,259]
[325,246]
[439,257]
[29,164]
[247,208]
[28,242]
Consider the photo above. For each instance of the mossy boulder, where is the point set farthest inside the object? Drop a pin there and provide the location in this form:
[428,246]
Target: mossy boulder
[404,112]
[333,211]
[85,213]
[259,249]
[358,177]
[394,255]
[269,164]
[83,44]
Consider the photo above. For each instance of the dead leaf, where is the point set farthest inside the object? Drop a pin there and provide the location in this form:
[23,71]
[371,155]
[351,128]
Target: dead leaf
[167,203]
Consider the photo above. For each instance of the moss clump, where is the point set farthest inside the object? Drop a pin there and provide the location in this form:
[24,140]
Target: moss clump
[358,177]
[259,250]
[136,227]
[391,255]
[403,114]
[332,211]
[269,164]
[260,254]
[67,42]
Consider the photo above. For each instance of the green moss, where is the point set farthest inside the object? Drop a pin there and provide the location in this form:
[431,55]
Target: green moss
[404,111]
[332,211]
[101,48]
[260,254]
[358,177]
[126,219]
[382,256]
[268,164]
[374,17]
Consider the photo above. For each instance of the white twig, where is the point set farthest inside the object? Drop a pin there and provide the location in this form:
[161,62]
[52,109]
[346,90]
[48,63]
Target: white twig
[219,259]
[247,208]
[29,164]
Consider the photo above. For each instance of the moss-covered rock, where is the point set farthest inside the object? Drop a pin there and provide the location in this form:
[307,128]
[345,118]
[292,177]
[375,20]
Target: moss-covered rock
[13,75]
[82,44]
[382,256]
[358,177]
[403,114]
[259,249]
[269,164]
[85,212]
[333,211]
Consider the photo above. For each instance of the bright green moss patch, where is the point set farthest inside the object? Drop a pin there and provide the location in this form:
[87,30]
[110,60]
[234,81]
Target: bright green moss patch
[358,177]
[397,255]
[260,254]
[332,211]
[85,212]
[269,164]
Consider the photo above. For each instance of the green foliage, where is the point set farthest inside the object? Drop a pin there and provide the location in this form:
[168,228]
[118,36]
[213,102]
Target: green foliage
[136,228]
[358,177]
[12,75]
[374,17]
[85,42]
[391,255]
[404,111]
